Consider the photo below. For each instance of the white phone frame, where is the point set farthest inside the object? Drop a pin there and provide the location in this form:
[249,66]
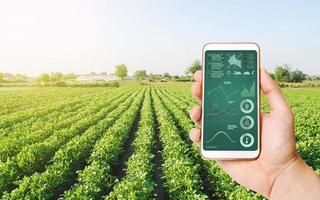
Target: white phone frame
[231,155]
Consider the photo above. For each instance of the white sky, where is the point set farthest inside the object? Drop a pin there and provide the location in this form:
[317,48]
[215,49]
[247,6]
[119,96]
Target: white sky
[160,36]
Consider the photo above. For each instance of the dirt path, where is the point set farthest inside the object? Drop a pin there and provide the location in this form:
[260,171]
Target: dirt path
[119,170]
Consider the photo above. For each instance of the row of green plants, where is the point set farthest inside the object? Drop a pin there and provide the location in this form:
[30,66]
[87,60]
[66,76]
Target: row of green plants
[34,157]
[33,123]
[54,167]
[12,145]
[138,183]
[22,99]
[96,178]
[221,184]
[36,122]
[67,160]
[35,112]
[305,105]
[181,174]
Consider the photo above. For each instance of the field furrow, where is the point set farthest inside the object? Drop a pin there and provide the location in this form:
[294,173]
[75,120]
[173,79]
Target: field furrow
[66,161]
[13,145]
[222,185]
[137,183]
[96,178]
[122,143]
[33,158]
[181,173]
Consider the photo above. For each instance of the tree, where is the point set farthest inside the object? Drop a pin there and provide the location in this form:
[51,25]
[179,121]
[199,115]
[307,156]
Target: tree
[56,76]
[44,77]
[176,77]
[282,74]
[93,73]
[140,74]
[121,71]
[69,76]
[166,75]
[297,76]
[195,66]
[154,76]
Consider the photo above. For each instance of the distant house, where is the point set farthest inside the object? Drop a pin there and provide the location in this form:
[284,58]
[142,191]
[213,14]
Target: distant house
[98,77]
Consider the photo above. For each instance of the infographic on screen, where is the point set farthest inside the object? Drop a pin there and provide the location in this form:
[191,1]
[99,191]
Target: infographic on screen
[230,101]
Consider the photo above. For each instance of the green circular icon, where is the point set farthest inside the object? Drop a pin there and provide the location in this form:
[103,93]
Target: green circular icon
[246,122]
[246,106]
[246,140]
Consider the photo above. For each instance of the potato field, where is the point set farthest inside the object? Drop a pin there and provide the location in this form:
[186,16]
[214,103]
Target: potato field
[130,142]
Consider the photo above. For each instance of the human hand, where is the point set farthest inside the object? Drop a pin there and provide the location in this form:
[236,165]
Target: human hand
[278,150]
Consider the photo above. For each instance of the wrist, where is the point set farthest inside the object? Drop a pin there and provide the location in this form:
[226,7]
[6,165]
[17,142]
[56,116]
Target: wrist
[296,181]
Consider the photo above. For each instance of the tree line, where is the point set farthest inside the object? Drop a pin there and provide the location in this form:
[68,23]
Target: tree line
[280,74]
[285,74]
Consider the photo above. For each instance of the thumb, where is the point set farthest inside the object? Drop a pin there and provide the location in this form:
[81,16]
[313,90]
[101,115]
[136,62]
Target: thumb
[274,94]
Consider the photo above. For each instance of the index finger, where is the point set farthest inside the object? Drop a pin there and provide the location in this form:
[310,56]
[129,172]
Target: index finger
[198,76]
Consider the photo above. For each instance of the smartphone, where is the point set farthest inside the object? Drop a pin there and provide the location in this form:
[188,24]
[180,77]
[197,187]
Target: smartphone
[230,101]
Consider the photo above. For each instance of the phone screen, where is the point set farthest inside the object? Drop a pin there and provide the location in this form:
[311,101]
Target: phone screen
[230,100]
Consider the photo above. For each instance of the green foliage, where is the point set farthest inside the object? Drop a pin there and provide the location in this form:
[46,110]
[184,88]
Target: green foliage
[66,160]
[55,79]
[31,157]
[297,76]
[140,74]
[44,77]
[13,78]
[181,173]
[166,75]
[153,77]
[222,185]
[69,76]
[96,176]
[59,84]
[138,184]
[114,84]
[195,66]
[56,76]
[121,71]
[184,79]
[63,142]
[284,74]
